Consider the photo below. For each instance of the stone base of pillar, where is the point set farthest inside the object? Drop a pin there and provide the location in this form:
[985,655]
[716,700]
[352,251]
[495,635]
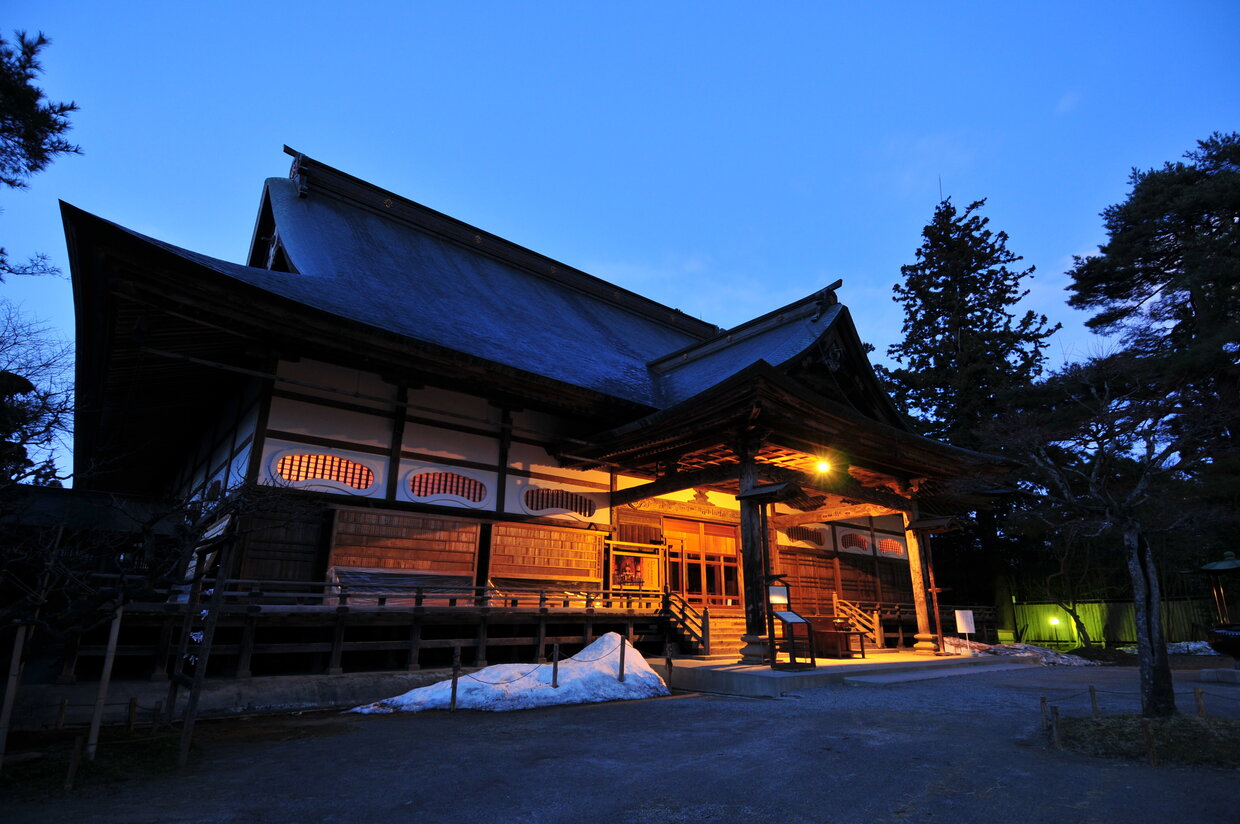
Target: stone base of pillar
[925,644]
[755,649]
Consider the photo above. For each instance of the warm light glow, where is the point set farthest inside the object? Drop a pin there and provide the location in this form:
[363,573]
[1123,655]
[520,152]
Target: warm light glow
[823,466]
[1055,621]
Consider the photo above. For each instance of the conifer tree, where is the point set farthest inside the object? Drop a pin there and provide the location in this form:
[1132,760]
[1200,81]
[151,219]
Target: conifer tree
[964,347]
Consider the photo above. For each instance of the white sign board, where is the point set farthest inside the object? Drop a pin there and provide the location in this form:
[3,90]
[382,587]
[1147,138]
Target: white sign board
[964,621]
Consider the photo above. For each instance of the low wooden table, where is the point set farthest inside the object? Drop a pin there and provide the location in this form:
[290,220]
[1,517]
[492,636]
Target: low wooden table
[837,643]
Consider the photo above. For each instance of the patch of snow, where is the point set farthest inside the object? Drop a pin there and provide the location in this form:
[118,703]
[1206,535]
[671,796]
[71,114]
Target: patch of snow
[959,646]
[1044,656]
[1180,648]
[587,677]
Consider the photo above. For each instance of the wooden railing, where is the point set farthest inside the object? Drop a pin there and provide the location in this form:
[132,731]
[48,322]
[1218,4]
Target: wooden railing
[333,594]
[867,621]
[692,625]
[884,620]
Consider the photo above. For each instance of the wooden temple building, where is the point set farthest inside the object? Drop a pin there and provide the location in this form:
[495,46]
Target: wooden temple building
[468,425]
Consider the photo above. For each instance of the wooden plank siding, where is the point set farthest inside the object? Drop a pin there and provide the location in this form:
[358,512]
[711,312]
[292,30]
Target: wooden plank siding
[404,542]
[546,553]
[283,546]
[814,574]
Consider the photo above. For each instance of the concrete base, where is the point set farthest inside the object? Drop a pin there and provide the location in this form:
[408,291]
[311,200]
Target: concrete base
[763,682]
[1220,676]
[755,650]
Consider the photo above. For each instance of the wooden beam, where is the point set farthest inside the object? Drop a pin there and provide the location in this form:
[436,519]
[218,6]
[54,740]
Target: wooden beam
[835,483]
[675,483]
[833,514]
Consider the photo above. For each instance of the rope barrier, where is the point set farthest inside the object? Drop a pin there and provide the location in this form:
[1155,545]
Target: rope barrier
[574,658]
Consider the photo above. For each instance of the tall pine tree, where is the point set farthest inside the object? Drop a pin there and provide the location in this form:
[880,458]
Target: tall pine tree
[964,350]
[964,347]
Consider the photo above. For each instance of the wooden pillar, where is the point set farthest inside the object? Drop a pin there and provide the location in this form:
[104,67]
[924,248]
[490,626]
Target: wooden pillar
[752,567]
[925,636]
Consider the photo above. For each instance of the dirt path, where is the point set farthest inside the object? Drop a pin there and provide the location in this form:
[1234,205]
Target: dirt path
[963,749]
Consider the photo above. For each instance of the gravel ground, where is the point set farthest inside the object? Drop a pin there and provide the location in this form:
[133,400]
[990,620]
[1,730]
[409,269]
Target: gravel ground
[960,750]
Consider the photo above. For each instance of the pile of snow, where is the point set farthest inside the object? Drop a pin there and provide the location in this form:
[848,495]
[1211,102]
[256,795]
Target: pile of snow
[1180,648]
[1047,657]
[589,676]
[959,646]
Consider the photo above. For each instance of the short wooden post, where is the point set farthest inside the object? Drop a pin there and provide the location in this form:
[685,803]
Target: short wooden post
[11,685]
[456,675]
[1046,719]
[334,662]
[623,644]
[587,636]
[1055,728]
[74,760]
[1151,751]
[706,631]
[109,657]
[555,666]
[61,713]
[1200,695]
[68,660]
[1093,700]
[480,644]
[540,642]
[248,631]
[415,645]
[131,720]
[667,657]
[159,666]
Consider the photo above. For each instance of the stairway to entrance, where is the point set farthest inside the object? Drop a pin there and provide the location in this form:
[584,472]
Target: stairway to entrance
[726,629]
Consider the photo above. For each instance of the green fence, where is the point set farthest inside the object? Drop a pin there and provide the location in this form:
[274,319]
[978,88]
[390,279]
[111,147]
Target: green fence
[1109,622]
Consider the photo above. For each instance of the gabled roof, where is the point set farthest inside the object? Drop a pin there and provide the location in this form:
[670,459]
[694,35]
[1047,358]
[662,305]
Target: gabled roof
[365,254]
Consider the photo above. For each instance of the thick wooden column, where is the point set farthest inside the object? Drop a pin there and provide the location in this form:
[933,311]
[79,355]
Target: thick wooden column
[752,566]
[916,566]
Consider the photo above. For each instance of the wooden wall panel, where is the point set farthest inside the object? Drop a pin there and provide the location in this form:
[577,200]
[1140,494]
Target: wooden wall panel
[282,547]
[540,552]
[857,581]
[405,542]
[811,579]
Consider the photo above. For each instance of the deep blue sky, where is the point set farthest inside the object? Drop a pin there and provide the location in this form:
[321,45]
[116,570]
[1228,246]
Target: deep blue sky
[724,158]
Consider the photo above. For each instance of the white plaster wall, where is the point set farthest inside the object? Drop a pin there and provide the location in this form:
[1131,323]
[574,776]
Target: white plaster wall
[531,458]
[541,426]
[453,407]
[345,384]
[448,443]
[304,418]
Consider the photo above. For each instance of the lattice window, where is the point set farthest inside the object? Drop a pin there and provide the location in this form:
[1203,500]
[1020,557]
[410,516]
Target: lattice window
[890,546]
[854,541]
[430,484]
[325,468]
[806,534]
[538,499]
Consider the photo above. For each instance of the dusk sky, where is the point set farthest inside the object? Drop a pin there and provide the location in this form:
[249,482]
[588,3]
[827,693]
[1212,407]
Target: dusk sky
[722,158]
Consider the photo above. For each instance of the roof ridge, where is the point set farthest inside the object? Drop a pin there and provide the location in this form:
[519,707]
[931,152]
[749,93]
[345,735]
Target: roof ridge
[818,303]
